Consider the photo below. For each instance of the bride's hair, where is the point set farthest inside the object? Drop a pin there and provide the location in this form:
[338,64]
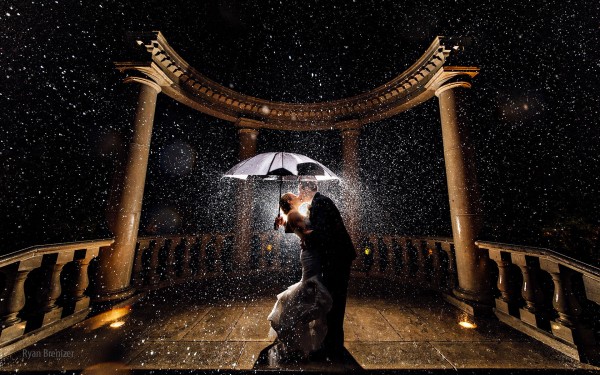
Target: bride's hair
[284,203]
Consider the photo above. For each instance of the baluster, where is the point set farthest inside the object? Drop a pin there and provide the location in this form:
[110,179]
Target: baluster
[397,256]
[154,276]
[531,313]
[203,255]
[390,267]
[267,251]
[382,257]
[434,253]
[566,326]
[406,264]
[219,253]
[375,269]
[170,269]
[186,270]
[262,261]
[507,303]
[46,310]
[421,271]
[13,298]
[138,267]
[452,274]
[560,303]
[283,264]
[76,300]
[274,252]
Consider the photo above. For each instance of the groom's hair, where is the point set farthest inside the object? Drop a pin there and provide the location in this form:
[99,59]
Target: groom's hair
[308,185]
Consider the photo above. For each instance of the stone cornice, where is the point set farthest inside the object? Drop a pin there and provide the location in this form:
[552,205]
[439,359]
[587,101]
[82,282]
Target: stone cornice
[185,84]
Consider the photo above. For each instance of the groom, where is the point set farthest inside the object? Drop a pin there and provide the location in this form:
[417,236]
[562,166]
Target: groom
[331,240]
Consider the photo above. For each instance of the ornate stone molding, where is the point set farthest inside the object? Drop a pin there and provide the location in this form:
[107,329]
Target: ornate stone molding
[185,84]
[450,77]
[144,81]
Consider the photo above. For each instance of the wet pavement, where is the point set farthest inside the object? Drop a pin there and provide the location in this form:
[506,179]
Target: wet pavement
[190,328]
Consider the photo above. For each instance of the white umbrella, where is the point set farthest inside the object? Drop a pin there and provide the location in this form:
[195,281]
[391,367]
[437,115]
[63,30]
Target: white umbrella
[280,166]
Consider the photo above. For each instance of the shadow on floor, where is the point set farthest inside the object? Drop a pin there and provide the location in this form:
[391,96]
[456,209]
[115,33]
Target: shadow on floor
[270,360]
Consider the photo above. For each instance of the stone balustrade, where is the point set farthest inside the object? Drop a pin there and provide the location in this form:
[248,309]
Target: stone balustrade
[427,263]
[548,296]
[162,261]
[168,260]
[544,294]
[43,290]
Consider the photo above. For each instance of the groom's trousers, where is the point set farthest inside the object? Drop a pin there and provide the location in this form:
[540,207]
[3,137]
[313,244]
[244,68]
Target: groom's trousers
[335,279]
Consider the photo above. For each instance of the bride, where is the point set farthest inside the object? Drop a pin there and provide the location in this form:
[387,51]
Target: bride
[299,317]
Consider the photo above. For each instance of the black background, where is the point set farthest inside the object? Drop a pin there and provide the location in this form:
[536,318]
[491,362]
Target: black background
[533,110]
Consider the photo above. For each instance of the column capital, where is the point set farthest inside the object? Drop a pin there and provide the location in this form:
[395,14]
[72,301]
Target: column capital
[350,132]
[250,124]
[452,85]
[250,131]
[450,77]
[144,81]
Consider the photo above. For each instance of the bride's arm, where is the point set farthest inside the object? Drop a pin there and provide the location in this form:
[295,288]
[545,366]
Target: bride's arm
[297,221]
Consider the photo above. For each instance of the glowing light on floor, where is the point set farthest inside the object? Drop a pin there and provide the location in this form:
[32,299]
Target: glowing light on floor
[117,324]
[107,318]
[466,321]
[468,325]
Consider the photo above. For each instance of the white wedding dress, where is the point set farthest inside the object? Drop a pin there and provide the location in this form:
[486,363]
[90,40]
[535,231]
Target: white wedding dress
[299,317]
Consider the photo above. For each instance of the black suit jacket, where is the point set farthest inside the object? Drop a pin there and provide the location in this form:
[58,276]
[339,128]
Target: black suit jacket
[329,236]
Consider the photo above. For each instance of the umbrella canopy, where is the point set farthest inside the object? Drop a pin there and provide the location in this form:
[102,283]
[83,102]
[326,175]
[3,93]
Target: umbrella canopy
[280,166]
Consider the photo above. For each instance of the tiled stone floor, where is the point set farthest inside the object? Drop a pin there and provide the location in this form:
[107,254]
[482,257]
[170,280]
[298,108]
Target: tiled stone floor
[179,329]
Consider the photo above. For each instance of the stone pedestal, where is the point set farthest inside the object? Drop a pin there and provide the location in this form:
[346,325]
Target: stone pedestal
[530,318]
[12,332]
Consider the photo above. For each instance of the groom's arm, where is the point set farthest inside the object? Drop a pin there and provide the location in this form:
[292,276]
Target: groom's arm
[319,223]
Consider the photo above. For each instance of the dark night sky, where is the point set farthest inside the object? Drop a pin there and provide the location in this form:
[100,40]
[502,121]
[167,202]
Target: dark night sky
[533,111]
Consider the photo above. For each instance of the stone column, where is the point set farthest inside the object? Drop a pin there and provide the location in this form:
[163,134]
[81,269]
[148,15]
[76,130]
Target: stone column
[463,194]
[116,263]
[243,221]
[351,183]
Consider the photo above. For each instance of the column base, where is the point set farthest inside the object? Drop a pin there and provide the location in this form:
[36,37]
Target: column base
[467,295]
[114,295]
[472,308]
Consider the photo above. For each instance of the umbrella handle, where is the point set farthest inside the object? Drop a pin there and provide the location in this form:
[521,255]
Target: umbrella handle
[275,226]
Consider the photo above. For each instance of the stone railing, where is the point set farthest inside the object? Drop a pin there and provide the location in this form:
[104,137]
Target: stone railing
[43,291]
[548,296]
[425,262]
[166,260]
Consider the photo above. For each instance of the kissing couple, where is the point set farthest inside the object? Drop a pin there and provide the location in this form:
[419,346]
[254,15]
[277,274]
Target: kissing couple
[308,317]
